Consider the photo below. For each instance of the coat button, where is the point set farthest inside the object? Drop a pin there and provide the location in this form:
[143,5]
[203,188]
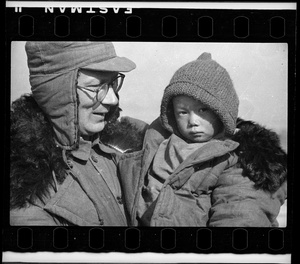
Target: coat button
[119,199]
[94,158]
[101,222]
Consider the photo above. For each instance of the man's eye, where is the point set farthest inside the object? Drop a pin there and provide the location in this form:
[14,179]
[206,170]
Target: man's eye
[91,89]
[95,86]
[182,113]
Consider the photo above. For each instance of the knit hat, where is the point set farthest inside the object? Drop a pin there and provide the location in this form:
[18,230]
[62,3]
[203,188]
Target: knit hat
[53,68]
[207,81]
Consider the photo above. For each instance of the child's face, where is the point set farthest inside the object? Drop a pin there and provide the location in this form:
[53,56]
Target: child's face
[194,120]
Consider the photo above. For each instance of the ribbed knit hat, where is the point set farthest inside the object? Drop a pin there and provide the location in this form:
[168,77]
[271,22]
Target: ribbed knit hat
[207,81]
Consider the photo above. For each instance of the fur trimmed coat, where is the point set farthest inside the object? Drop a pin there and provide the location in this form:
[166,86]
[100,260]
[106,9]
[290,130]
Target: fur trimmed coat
[238,182]
[35,156]
[49,188]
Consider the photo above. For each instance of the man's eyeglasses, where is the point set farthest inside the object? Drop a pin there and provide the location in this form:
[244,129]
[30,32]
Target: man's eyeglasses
[102,90]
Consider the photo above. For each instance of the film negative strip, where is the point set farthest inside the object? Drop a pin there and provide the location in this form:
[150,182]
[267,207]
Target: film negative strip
[156,23]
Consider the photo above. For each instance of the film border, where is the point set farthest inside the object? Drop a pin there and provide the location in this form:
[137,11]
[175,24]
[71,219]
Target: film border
[155,24]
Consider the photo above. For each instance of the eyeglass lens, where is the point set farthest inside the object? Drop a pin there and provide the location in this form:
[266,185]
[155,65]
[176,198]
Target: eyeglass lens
[116,85]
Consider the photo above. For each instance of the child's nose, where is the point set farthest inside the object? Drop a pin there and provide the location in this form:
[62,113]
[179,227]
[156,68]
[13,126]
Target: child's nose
[110,98]
[194,119]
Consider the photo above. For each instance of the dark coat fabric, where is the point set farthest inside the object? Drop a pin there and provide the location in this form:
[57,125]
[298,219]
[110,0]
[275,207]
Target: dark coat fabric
[240,181]
[48,188]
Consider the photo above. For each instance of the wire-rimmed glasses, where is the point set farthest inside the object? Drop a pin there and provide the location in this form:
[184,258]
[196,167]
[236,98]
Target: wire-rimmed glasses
[102,90]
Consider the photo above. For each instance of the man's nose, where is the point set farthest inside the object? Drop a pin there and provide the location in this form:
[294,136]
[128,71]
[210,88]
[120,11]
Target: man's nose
[110,98]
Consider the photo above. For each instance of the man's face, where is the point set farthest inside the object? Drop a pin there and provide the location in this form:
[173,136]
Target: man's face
[91,113]
[195,121]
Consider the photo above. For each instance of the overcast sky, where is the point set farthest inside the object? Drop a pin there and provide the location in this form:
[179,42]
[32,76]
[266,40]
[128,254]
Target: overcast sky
[258,71]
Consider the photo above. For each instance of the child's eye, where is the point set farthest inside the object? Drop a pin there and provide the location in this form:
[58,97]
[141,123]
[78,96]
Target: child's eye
[202,110]
[182,113]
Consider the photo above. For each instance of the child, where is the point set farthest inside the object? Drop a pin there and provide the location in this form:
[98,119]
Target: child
[197,168]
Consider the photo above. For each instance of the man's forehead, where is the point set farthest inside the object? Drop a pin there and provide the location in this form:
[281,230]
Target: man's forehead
[100,75]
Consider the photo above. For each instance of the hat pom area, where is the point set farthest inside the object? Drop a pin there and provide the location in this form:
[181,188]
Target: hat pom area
[204,56]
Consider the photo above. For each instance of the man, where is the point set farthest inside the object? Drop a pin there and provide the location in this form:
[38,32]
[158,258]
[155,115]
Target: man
[61,171]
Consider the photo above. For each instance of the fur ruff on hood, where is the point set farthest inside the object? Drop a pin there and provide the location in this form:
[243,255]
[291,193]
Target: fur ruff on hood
[34,154]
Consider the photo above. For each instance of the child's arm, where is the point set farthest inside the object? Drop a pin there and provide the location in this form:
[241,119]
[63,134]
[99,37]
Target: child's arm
[251,192]
[240,204]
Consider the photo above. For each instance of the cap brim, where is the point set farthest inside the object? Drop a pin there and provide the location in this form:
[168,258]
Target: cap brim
[116,64]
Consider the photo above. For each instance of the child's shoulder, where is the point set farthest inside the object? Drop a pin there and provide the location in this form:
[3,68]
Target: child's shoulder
[156,132]
[260,155]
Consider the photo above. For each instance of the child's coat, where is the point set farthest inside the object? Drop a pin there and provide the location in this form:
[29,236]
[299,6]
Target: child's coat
[208,189]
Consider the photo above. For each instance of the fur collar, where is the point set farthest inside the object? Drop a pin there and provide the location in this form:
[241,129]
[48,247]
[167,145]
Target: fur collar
[34,155]
[260,155]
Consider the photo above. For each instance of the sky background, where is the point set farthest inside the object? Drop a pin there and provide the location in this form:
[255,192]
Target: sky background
[258,72]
